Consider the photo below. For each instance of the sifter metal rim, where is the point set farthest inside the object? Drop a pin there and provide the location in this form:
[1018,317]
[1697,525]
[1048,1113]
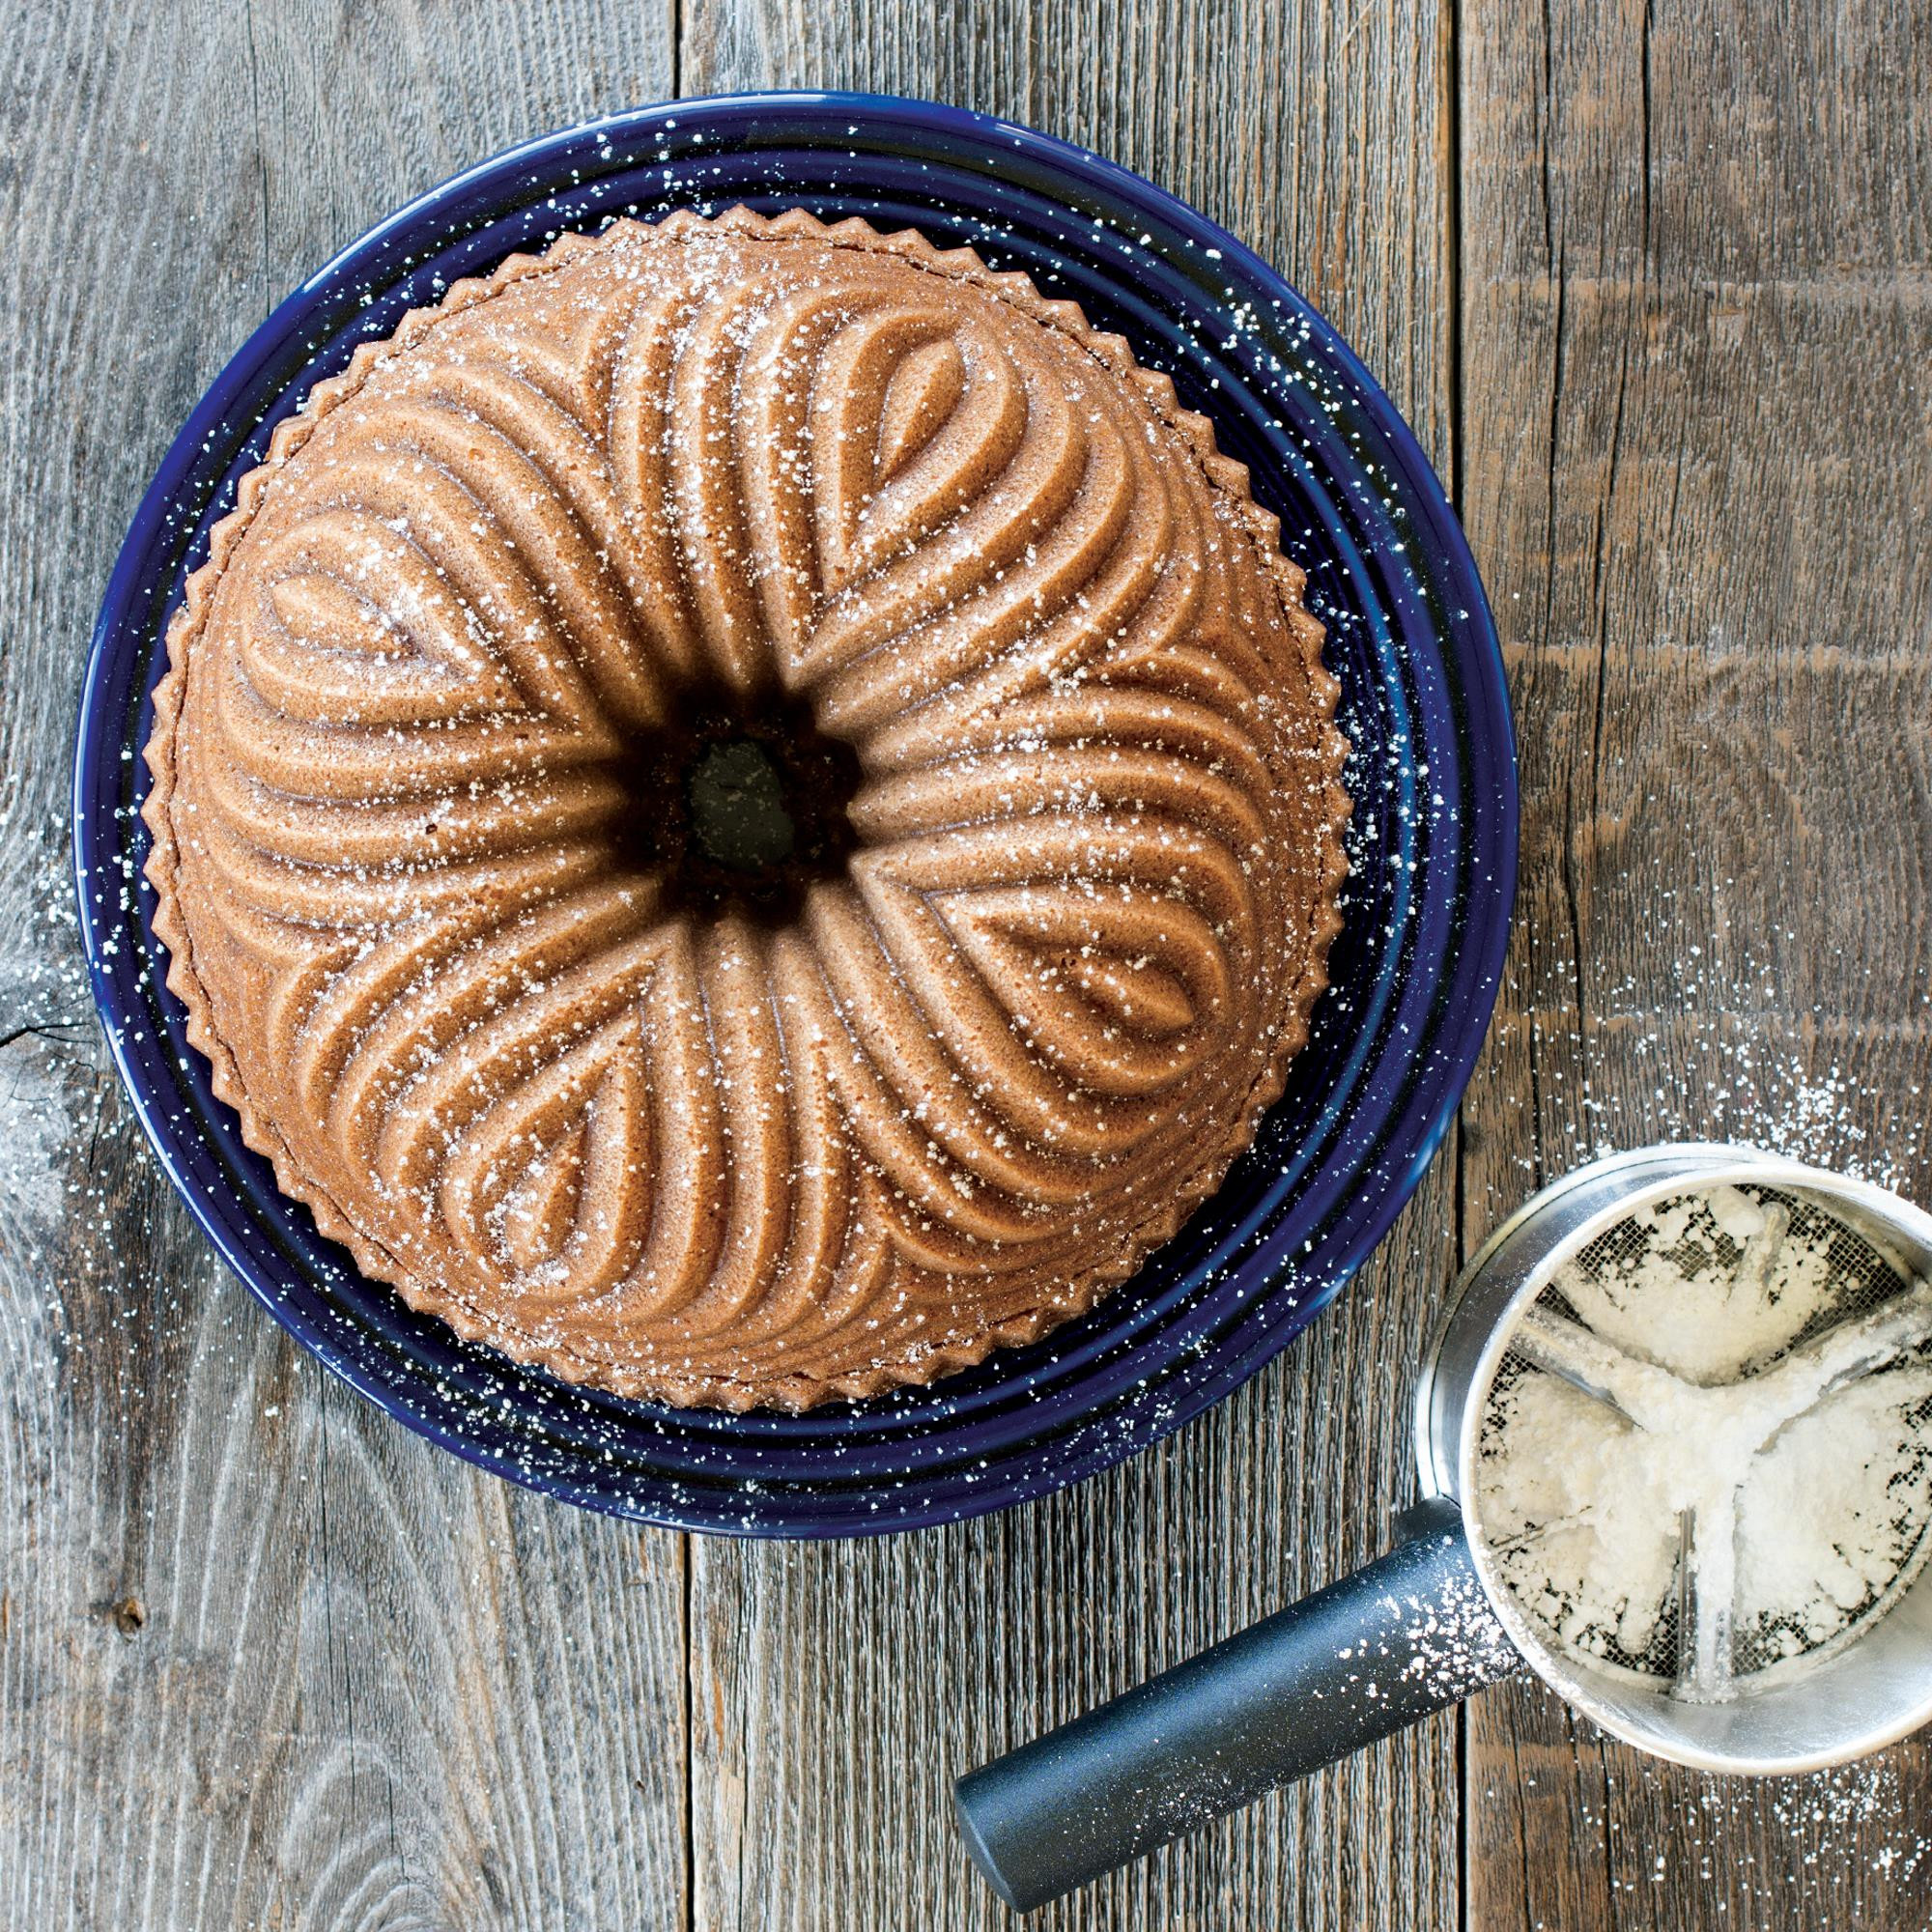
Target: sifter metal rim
[1655,1173]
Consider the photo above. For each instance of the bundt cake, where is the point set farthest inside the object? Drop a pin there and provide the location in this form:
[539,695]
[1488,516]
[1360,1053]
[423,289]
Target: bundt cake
[747,810]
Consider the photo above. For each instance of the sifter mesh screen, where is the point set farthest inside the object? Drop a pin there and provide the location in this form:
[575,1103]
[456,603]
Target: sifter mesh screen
[1751,1301]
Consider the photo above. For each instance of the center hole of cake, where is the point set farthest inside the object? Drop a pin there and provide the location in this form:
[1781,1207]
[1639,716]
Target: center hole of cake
[739,805]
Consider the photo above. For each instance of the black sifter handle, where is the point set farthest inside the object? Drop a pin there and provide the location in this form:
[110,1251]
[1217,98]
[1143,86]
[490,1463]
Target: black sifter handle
[1409,1636]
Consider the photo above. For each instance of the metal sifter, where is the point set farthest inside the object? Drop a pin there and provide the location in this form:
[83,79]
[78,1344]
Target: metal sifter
[1777,1301]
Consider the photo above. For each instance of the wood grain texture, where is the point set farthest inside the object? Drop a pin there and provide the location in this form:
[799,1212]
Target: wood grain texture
[1696,382]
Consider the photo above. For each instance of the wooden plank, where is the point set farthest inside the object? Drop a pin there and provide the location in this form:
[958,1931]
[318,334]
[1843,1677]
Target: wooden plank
[265,1657]
[1696,381]
[835,1689]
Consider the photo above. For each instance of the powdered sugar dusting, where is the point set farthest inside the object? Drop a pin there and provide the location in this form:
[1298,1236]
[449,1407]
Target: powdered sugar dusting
[1708,1452]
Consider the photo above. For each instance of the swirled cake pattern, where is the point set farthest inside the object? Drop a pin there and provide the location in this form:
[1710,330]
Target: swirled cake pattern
[929,1087]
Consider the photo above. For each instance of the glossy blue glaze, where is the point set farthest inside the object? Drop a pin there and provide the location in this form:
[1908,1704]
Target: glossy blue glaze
[1433,842]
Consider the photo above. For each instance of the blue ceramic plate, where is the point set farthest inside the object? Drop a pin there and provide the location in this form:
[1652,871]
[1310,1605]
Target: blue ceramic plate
[1433,842]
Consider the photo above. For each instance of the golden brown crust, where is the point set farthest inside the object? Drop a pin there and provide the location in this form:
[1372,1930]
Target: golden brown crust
[686,1354]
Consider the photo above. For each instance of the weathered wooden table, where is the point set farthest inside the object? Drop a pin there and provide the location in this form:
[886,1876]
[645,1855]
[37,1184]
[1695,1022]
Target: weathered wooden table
[1654,283]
